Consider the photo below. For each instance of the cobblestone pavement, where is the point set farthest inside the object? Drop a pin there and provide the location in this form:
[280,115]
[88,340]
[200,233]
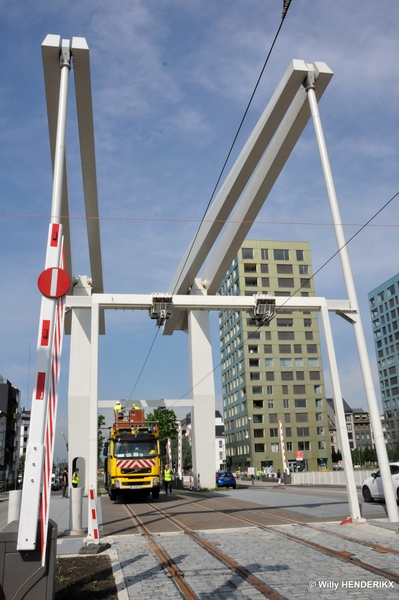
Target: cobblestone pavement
[292,569]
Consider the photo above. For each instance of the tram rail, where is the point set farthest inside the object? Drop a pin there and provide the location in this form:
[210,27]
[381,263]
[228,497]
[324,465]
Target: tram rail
[266,590]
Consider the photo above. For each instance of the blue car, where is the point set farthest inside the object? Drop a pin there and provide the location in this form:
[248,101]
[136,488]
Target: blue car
[225,479]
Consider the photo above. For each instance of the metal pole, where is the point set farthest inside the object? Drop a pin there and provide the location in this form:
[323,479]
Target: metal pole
[59,158]
[340,416]
[383,462]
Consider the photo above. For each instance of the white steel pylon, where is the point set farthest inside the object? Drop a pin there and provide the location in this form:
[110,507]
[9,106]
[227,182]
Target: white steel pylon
[54,283]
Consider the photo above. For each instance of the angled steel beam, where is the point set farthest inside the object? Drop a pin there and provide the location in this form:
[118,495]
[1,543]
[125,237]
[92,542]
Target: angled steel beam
[238,177]
[264,178]
[84,107]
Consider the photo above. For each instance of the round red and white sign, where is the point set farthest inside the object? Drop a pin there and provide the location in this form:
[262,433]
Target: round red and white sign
[54,282]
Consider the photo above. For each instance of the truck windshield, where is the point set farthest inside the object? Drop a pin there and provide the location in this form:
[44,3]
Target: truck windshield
[135,449]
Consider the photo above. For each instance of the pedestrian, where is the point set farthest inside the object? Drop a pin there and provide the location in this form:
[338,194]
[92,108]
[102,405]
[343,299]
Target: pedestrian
[258,474]
[65,482]
[75,478]
[167,479]
[279,477]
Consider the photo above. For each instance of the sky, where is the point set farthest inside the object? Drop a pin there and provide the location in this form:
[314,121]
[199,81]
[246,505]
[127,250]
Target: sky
[171,80]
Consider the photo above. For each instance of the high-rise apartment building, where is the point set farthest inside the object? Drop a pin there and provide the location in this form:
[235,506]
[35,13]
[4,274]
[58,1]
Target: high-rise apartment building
[273,373]
[384,311]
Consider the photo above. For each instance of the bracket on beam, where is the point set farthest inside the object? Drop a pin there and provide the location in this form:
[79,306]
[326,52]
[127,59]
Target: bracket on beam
[161,308]
[345,315]
[264,309]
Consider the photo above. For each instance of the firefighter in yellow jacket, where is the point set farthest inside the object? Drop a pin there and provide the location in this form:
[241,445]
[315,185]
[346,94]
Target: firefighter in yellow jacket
[167,479]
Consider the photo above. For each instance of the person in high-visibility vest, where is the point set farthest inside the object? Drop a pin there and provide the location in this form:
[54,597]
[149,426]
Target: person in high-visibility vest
[167,479]
[135,407]
[118,410]
[75,478]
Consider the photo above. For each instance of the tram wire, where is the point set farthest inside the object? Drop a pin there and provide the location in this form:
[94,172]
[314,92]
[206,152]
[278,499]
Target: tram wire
[286,5]
[299,289]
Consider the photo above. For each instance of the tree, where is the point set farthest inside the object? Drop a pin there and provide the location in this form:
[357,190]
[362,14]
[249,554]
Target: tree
[167,423]
[101,437]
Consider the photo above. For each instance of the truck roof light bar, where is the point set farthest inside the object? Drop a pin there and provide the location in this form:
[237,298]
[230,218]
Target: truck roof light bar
[161,308]
[264,309]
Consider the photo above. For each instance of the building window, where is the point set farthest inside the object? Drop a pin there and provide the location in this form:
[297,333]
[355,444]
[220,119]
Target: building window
[264,254]
[268,362]
[303,445]
[309,335]
[256,389]
[285,282]
[285,322]
[284,336]
[307,322]
[314,375]
[254,376]
[311,348]
[267,349]
[259,448]
[299,255]
[253,349]
[287,417]
[269,390]
[286,403]
[257,418]
[322,445]
[284,348]
[251,282]
[275,447]
[270,403]
[274,432]
[285,362]
[302,431]
[297,349]
[287,376]
[259,404]
[259,433]
[305,283]
[247,253]
[281,254]
[299,362]
[289,446]
[300,375]
[313,362]
[288,432]
[269,376]
[273,418]
[319,402]
[254,362]
[264,268]
[303,269]
[300,403]
[285,269]
[301,417]
[299,389]
[320,430]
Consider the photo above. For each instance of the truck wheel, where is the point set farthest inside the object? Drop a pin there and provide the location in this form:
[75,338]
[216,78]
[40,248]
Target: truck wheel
[155,494]
[112,495]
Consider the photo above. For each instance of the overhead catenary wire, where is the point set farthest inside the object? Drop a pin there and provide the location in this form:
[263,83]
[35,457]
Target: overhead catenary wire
[298,289]
[284,14]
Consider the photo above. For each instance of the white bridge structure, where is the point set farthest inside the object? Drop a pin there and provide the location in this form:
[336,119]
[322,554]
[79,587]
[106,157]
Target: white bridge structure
[191,296]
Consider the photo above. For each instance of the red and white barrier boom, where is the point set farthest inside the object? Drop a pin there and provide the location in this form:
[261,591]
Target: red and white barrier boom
[54,282]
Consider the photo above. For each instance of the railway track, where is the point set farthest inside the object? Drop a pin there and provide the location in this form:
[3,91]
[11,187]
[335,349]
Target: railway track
[260,583]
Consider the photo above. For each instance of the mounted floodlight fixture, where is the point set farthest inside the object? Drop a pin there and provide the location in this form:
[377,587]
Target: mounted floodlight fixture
[264,309]
[161,308]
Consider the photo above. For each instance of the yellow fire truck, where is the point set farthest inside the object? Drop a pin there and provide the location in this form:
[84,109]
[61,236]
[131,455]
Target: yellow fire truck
[133,462]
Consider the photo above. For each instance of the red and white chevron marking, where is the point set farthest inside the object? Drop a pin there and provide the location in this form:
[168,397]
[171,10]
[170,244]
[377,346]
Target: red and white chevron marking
[143,463]
[93,513]
[282,447]
[180,452]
